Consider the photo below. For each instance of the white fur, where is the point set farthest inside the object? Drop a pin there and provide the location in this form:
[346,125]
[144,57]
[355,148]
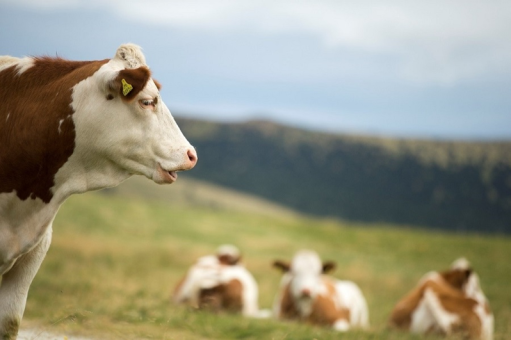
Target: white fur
[473,290]
[114,140]
[204,274]
[351,297]
[341,326]
[422,319]
[444,319]
[24,64]
[7,61]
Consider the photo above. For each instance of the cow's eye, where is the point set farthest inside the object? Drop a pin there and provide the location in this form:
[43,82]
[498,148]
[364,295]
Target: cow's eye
[147,103]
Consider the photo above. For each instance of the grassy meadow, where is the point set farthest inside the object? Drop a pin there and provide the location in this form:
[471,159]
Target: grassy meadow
[117,255]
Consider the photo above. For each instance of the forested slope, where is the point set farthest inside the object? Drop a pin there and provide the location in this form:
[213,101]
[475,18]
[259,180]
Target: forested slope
[463,186]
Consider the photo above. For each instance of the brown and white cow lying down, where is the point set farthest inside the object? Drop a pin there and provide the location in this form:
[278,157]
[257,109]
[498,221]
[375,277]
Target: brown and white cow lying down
[68,127]
[445,303]
[220,282]
[308,295]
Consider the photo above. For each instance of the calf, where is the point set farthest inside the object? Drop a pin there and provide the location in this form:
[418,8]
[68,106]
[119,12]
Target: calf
[68,127]
[220,282]
[445,303]
[306,294]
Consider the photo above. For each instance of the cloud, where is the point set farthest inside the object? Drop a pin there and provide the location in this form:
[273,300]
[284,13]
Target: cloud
[434,42]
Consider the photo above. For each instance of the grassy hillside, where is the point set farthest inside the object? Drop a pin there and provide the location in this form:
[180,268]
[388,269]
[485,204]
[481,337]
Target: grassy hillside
[461,186]
[116,257]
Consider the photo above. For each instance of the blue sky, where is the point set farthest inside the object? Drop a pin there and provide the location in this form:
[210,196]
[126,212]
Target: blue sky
[427,69]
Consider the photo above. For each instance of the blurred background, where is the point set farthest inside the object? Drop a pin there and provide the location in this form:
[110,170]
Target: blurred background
[372,123]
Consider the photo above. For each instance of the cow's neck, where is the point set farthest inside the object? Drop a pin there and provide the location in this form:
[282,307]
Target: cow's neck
[76,176]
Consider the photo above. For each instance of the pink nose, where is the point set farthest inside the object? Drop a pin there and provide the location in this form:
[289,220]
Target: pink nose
[192,158]
[306,292]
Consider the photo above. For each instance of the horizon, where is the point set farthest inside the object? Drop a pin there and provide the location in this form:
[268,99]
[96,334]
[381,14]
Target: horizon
[362,134]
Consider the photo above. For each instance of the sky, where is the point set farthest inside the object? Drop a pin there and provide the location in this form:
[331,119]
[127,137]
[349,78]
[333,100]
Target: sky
[432,69]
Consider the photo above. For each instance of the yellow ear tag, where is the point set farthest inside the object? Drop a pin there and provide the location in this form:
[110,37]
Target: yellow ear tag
[126,88]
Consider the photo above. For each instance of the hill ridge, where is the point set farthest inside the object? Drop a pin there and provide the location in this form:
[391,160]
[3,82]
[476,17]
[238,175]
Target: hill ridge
[452,185]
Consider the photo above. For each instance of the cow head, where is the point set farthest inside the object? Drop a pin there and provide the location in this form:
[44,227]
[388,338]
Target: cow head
[305,273]
[459,275]
[123,124]
[228,254]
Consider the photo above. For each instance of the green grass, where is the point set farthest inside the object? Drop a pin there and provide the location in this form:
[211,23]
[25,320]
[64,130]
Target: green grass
[116,257]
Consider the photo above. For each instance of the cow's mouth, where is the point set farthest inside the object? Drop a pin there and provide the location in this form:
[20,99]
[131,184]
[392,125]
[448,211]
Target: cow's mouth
[167,176]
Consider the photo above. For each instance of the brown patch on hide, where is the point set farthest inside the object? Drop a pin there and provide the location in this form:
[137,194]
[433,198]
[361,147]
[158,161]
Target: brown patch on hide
[456,277]
[226,297]
[37,132]
[232,298]
[228,260]
[324,310]
[211,298]
[288,308]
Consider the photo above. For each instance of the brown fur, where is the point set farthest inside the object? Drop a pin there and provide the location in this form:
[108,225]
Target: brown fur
[31,148]
[288,308]
[229,260]
[457,278]
[135,77]
[226,297]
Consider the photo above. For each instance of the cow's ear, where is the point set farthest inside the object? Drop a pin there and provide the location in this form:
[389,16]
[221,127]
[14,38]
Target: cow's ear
[129,82]
[284,266]
[328,266]
[157,83]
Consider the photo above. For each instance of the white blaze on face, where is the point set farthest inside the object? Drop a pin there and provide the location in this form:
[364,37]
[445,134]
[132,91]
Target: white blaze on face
[306,269]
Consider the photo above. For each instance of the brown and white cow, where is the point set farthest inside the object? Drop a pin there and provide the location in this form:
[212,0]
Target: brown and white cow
[220,283]
[446,302]
[68,127]
[308,295]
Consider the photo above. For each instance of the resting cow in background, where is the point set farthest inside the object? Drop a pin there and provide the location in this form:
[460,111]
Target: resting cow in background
[220,282]
[68,127]
[308,295]
[448,302]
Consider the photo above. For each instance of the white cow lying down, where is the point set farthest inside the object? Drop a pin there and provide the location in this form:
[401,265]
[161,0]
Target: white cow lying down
[448,302]
[308,295]
[68,127]
[220,282]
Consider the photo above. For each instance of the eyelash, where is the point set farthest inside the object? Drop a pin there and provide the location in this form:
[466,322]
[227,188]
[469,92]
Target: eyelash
[146,103]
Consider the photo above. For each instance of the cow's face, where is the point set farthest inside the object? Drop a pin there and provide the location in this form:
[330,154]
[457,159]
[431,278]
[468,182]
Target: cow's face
[121,119]
[305,274]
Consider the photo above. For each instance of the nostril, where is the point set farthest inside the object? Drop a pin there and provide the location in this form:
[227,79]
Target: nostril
[192,156]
